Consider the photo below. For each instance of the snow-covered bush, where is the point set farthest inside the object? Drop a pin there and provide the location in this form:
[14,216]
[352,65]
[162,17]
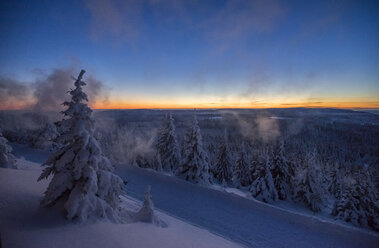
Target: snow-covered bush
[194,167]
[83,178]
[7,160]
[167,145]
[143,162]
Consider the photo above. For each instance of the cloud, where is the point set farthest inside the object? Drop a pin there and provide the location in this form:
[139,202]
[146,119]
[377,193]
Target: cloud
[316,27]
[241,18]
[125,20]
[51,90]
[329,16]
[121,19]
[256,127]
[97,91]
[258,80]
[48,91]
[13,94]
[268,128]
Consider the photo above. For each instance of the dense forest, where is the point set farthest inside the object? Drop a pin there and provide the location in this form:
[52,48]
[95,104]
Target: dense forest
[324,159]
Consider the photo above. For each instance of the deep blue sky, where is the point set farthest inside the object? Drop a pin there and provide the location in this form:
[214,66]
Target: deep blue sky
[202,53]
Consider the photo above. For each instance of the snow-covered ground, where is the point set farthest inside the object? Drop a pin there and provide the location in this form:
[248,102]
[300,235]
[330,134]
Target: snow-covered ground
[246,221]
[23,223]
[227,214]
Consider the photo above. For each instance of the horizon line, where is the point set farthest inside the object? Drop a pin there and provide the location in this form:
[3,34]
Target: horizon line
[206,108]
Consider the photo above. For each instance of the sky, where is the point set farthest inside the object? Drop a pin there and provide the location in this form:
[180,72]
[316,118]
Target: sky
[194,54]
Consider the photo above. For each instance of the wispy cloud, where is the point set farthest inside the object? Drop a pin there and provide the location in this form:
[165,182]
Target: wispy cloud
[48,90]
[124,20]
[317,26]
[120,19]
[243,18]
[13,94]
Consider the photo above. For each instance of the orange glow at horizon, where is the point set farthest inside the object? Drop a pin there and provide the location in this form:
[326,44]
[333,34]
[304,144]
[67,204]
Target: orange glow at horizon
[242,105]
[209,103]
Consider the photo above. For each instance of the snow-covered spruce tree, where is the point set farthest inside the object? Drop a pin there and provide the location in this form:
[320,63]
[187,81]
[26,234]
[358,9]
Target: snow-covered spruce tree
[7,160]
[370,202]
[308,189]
[83,178]
[211,151]
[347,207]
[256,162]
[263,187]
[158,163]
[279,171]
[241,173]
[146,212]
[167,145]
[357,203]
[194,167]
[224,166]
[334,180]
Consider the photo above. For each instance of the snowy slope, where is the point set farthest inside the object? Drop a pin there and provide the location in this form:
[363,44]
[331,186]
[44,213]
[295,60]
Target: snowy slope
[23,223]
[245,221]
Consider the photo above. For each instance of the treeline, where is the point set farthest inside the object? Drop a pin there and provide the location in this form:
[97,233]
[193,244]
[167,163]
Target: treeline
[315,167]
[324,165]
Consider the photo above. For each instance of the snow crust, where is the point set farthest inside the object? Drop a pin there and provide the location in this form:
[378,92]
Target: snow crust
[23,223]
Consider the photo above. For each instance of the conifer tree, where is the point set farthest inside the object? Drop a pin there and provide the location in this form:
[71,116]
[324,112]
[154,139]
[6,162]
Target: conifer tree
[263,187]
[223,170]
[347,207]
[256,162]
[83,178]
[308,189]
[146,213]
[241,173]
[357,203]
[167,145]
[7,160]
[211,151]
[279,171]
[334,181]
[158,163]
[195,166]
